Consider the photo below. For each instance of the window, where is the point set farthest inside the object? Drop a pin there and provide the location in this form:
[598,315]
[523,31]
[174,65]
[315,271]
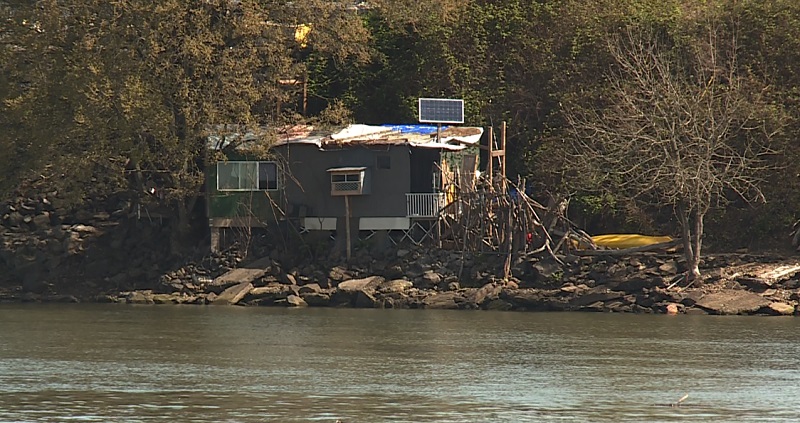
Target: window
[247,176]
[383,162]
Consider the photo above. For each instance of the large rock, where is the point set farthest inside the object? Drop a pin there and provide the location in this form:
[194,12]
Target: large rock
[782,308]
[174,298]
[140,297]
[245,274]
[595,295]
[535,299]
[488,292]
[396,285]
[267,295]
[295,301]
[309,288]
[354,285]
[233,294]
[339,274]
[365,299]
[543,274]
[732,301]
[317,299]
[428,280]
[443,300]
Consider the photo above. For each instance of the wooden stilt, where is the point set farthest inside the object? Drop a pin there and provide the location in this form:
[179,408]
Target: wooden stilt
[347,224]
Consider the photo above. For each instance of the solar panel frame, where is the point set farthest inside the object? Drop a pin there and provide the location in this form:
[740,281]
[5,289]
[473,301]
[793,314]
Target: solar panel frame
[441,110]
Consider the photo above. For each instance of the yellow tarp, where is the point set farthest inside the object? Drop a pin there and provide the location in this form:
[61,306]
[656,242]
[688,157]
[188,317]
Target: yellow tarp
[301,34]
[628,240]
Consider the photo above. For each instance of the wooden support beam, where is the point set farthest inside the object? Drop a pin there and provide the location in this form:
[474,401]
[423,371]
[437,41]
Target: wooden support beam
[503,157]
[489,166]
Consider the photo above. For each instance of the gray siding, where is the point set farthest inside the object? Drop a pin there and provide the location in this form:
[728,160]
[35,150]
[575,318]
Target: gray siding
[308,186]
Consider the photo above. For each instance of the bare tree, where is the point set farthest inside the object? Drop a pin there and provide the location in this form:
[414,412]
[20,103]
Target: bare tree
[680,127]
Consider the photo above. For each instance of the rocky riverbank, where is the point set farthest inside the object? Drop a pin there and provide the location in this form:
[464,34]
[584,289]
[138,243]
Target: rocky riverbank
[105,255]
[432,279]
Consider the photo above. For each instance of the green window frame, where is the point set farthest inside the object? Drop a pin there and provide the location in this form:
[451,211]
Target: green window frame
[248,176]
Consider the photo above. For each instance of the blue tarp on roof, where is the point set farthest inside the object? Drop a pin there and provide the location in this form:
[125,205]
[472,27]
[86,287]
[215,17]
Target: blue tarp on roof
[413,129]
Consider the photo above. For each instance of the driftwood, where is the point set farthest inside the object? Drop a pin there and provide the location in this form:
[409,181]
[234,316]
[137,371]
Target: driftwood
[488,218]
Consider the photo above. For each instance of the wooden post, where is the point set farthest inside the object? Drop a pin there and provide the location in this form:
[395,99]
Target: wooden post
[503,157]
[305,93]
[509,239]
[490,148]
[347,224]
[215,239]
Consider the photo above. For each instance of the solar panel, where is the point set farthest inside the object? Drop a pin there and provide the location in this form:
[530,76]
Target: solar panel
[441,110]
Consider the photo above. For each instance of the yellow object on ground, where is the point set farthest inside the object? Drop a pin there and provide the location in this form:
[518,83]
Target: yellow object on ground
[301,34]
[628,240]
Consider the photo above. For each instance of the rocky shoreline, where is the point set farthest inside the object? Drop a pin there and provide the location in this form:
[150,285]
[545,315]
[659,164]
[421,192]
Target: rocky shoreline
[427,279]
[105,256]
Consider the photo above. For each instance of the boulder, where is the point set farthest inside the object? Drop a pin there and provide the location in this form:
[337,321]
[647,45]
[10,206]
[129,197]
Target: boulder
[287,279]
[233,294]
[365,300]
[732,301]
[429,279]
[668,268]
[499,305]
[396,285]
[782,308]
[139,297]
[309,288]
[354,285]
[295,301]
[545,271]
[594,295]
[42,221]
[535,299]
[317,299]
[339,274]
[490,291]
[673,308]
[392,272]
[234,277]
[86,229]
[166,299]
[271,292]
[443,300]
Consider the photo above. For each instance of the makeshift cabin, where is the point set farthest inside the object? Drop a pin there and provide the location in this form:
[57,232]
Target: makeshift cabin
[383,178]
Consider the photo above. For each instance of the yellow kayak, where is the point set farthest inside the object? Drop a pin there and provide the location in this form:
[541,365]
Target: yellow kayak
[628,240]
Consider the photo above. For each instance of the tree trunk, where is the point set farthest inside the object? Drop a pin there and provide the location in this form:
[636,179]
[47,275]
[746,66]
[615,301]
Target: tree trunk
[180,229]
[691,221]
[698,243]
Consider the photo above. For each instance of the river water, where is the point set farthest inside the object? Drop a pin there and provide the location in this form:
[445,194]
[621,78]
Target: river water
[104,363]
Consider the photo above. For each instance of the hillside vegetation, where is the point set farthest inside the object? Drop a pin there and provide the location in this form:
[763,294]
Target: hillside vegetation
[686,110]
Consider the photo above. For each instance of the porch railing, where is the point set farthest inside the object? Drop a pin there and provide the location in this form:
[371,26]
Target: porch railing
[424,204]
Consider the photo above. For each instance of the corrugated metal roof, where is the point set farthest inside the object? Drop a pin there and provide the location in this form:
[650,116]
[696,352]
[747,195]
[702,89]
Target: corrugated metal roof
[423,136]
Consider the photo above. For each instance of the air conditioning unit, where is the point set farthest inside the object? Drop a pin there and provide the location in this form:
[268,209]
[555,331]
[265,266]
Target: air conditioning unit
[349,181]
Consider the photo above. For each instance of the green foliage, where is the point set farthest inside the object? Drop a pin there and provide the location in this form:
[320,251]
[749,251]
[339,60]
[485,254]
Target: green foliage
[109,95]
[133,88]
